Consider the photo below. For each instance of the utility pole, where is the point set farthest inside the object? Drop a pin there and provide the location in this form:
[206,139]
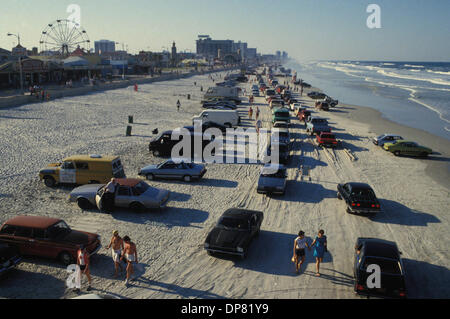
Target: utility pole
[20,61]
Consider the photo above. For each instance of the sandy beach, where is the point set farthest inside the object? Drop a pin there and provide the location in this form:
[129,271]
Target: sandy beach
[414,194]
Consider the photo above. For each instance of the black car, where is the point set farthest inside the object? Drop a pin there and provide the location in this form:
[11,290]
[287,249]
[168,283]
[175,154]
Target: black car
[9,258]
[359,197]
[283,150]
[317,95]
[385,254]
[234,232]
[162,144]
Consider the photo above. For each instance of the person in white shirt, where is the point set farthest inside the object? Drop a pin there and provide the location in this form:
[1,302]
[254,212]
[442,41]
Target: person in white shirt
[300,244]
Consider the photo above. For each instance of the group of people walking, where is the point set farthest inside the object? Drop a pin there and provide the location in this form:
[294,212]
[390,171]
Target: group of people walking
[123,250]
[300,244]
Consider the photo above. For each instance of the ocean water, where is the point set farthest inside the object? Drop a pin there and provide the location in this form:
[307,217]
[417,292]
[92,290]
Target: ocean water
[416,94]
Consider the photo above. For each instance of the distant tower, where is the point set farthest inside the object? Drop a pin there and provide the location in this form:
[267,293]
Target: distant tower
[174,57]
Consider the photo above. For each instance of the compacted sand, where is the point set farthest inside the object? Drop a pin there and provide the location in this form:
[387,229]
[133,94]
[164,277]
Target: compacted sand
[173,263]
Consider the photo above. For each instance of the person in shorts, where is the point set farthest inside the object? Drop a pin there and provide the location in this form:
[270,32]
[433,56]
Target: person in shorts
[130,254]
[117,247]
[300,244]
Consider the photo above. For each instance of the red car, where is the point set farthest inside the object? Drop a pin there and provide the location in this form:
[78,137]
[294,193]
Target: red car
[326,139]
[47,237]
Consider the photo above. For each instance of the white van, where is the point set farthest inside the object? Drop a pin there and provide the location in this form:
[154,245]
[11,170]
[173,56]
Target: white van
[223,92]
[228,118]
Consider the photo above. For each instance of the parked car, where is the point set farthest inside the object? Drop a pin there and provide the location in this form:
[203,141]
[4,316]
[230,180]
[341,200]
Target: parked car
[9,258]
[131,193]
[321,105]
[219,106]
[317,125]
[276,103]
[283,150]
[385,254]
[281,114]
[272,180]
[82,169]
[206,126]
[326,139]
[281,124]
[234,232]
[47,237]
[386,138]
[402,147]
[281,135]
[359,198]
[171,170]
[163,144]
[331,102]
[228,118]
[317,95]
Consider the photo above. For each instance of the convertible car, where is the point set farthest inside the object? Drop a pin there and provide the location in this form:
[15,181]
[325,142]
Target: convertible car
[234,232]
[130,193]
[172,170]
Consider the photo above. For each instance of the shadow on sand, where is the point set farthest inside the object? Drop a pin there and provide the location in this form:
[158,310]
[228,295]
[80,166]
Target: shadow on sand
[169,217]
[398,214]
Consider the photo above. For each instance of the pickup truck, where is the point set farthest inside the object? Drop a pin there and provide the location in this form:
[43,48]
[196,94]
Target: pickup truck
[326,139]
[331,102]
[317,125]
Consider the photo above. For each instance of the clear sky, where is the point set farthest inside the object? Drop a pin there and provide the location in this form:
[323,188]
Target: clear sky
[411,30]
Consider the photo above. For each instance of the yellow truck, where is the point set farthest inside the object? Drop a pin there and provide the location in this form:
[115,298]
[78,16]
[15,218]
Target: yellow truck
[83,169]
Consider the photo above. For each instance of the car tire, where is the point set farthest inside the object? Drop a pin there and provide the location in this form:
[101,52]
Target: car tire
[83,203]
[228,125]
[65,258]
[49,181]
[397,153]
[157,153]
[339,196]
[150,177]
[187,178]
[137,207]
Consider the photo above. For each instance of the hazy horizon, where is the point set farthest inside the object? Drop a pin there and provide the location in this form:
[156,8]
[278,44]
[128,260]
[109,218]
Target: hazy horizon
[411,30]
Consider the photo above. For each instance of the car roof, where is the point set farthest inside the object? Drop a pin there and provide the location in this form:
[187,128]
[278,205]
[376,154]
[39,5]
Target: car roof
[380,248]
[130,182]
[95,158]
[238,212]
[359,185]
[33,221]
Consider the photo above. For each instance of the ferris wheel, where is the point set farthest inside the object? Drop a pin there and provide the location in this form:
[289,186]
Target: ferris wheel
[62,37]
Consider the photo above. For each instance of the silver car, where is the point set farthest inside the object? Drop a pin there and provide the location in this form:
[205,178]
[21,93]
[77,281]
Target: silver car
[130,193]
[172,170]
[386,138]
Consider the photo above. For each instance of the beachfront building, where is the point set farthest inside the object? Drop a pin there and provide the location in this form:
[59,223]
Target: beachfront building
[210,48]
[105,46]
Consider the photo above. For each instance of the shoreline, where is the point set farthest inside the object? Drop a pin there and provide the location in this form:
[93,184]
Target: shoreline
[17,101]
[437,164]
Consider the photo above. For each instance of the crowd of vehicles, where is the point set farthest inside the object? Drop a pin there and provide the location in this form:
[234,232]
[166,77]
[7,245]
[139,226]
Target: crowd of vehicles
[236,228]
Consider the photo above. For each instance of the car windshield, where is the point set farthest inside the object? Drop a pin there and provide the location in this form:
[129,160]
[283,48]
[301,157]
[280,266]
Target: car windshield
[233,223]
[140,188]
[388,266]
[58,230]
